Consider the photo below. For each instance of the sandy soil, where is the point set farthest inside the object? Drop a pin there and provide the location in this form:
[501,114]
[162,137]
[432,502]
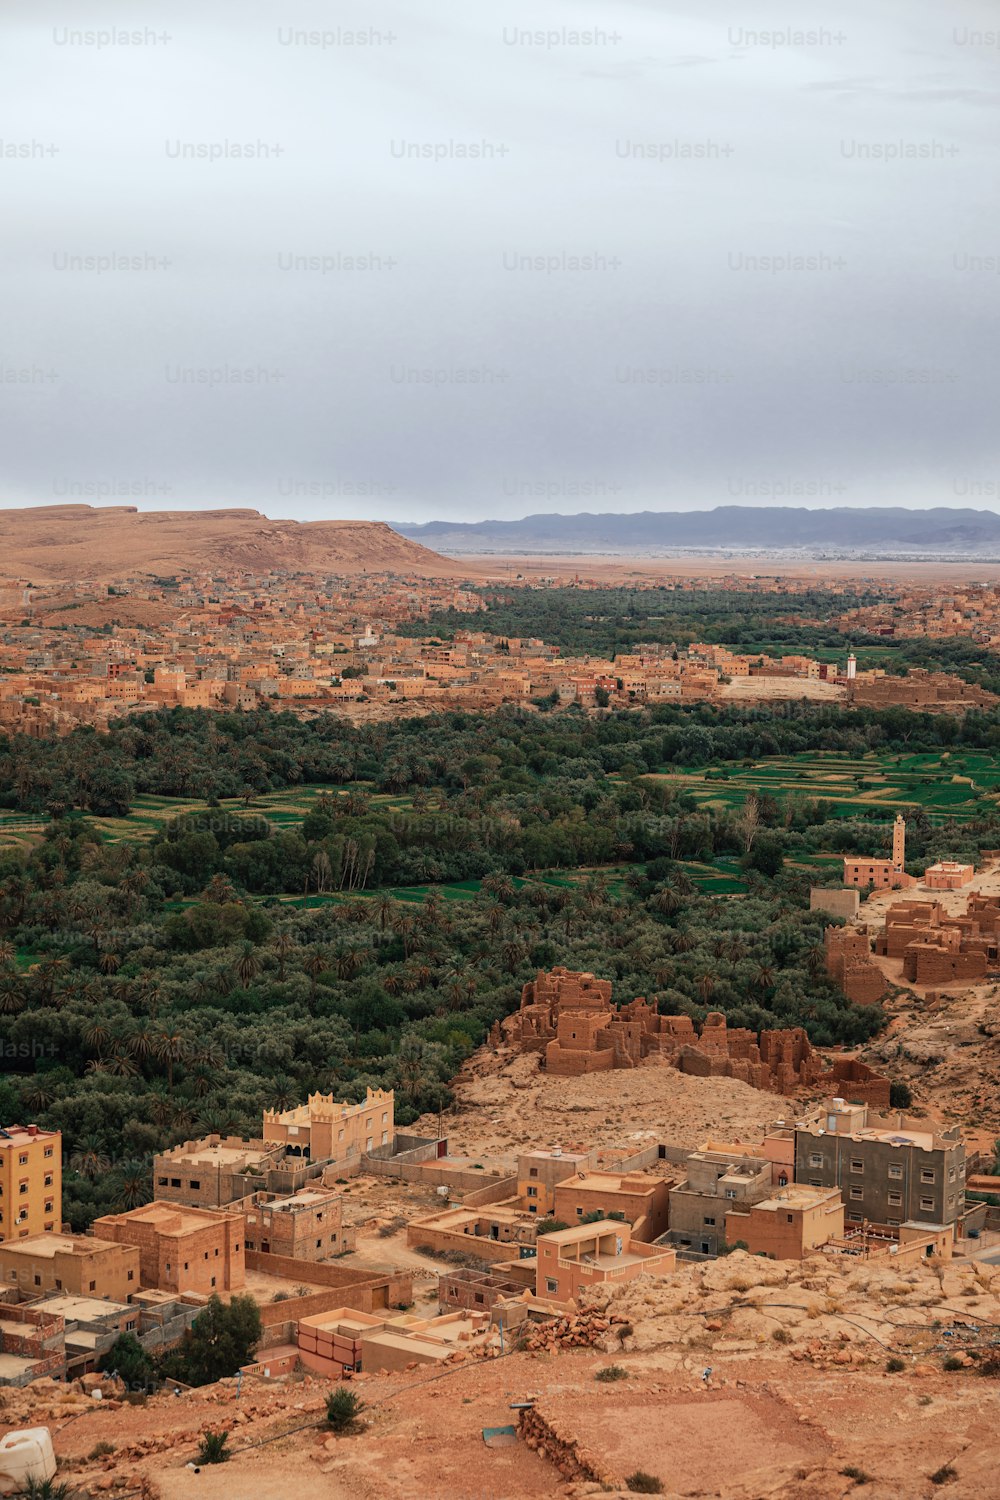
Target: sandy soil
[611,570]
[505,1104]
[764,689]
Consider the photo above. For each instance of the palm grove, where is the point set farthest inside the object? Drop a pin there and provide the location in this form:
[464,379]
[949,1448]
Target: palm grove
[154,988]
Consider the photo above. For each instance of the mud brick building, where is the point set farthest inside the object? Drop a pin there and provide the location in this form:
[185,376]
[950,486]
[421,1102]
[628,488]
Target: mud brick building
[849,963]
[181,1249]
[571,1021]
[929,692]
[791,1224]
[306,1226]
[72,1263]
[642,1201]
[882,874]
[572,1259]
[213,1171]
[937,947]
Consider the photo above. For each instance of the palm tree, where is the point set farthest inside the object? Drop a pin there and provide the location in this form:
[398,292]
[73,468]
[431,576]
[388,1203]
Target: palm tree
[317,962]
[170,1047]
[7,951]
[284,942]
[385,911]
[11,993]
[247,965]
[132,1186]
[707,982]
[110,963]
[89,1159]
[96,1034]
[763,977]
[39,1095]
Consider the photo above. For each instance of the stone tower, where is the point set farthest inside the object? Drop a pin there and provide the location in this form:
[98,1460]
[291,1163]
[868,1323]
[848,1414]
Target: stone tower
[899,842]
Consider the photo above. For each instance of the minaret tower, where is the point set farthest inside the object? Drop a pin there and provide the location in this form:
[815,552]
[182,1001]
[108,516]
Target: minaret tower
[899,843]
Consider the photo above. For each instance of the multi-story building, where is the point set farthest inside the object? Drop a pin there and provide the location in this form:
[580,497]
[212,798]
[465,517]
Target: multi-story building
[75,1264]
[325,1130]
[307,1225]
[789,1225]
[891,1173]
[571,1259]
[540,1172]
[717,1184]
[213,1171]
[181,1249]
[641,1201]
[30,1182]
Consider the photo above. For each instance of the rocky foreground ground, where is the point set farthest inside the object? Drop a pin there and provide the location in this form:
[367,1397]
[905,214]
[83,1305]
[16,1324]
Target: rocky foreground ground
[741,1379]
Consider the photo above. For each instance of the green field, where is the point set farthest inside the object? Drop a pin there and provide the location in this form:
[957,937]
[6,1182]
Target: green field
[944,785]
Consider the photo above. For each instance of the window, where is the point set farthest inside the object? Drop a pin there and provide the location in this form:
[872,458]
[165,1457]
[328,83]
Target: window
[194,1186]
[815,1182]
[533,1172]
[854,1218]
[48,1151]
[927,1205]
[892,1223]
[730,1192]
[895,1200]
[707,1220]
[175,1182]
[93,1286]
[532,1192]
[550,1285]
[161,1182]
[48,1179]
[790,1218]
[58,1285]
[857,1194]
[22,1161]
[480,1297]
[22,1187]
[857,1165]
[927,1175]
[131,1275]
[319,1244]
[38,1281]
[579,1213]
[895,1171]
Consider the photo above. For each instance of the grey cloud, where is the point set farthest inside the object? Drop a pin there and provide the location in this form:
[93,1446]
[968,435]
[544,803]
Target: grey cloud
[406,290]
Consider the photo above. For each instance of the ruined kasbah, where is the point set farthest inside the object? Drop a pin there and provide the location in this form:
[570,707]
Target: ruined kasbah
[571,1022]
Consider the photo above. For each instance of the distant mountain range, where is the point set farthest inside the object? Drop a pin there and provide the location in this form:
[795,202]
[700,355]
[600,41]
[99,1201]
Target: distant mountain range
[842,530]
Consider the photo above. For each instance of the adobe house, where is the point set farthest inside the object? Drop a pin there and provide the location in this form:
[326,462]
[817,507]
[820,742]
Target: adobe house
[181,1249]
[639,1200]
[571,1259]
[789,1225]
[72,1263]
[325,1130]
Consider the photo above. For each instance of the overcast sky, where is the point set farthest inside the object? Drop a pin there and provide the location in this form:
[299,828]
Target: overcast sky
[492,259]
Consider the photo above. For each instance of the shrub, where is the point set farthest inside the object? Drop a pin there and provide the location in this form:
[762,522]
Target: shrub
[781,1336]
[894,1364]
[641,1483]
[101,1450]
[953,1363]
[990,1366]
[550,1226]
[43,1489]
[851,1471]
[214,1448]
[900,1096]
[944,1474]
[343,1408]
[611,1372]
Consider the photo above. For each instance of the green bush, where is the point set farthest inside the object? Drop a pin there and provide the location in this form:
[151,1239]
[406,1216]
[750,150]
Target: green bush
[343,1408]
[641,1483]
[214,1448]
[611,1372]
[894,1364]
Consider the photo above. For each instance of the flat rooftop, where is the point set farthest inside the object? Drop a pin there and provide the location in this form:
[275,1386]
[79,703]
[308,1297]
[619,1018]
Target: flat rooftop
[173,1218]
[46,1246]
[796,1195]
[220,1156]
[24,1135]
[82,1309]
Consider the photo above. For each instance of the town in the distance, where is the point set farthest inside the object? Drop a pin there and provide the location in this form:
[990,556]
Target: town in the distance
[494,1026]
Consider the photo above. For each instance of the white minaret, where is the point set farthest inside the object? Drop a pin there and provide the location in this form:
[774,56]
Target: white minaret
[852,667]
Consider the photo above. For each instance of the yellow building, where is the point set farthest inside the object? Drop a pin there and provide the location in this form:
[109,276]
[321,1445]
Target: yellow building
[30,1182]
[324,1130]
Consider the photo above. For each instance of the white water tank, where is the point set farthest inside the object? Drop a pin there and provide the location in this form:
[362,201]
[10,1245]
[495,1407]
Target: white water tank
[26,1455]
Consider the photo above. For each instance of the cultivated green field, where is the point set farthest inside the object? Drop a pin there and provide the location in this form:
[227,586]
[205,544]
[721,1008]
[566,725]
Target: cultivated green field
[945,785]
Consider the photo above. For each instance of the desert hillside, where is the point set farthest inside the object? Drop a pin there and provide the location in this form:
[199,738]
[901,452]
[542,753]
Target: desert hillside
[52,542]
